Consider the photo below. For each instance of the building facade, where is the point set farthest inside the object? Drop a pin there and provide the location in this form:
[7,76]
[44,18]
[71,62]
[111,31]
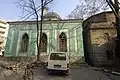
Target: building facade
[57,36]
[99,35]
[3,35]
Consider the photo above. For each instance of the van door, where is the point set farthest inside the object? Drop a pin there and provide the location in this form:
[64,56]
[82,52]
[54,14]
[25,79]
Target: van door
[58,61]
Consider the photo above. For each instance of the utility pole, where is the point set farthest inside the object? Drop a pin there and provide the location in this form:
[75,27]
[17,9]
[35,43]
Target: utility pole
[41,22]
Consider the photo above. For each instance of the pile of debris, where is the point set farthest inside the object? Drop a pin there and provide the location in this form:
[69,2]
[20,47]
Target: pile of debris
[20,66]
[16,67]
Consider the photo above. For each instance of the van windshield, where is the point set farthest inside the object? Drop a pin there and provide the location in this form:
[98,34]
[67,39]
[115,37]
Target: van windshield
[57,56]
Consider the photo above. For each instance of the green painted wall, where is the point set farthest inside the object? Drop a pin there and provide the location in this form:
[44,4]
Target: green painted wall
[72,29]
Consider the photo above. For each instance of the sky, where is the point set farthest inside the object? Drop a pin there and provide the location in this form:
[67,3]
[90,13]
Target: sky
[10,11]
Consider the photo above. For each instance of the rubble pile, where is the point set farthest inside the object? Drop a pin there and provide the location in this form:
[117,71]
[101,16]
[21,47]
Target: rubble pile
[16,67]
[20,66]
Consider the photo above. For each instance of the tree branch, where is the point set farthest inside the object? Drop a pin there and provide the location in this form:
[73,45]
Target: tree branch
[110,3]
[47,2]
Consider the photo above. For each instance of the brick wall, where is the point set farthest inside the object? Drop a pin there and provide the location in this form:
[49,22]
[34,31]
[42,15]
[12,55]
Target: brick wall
[98,45]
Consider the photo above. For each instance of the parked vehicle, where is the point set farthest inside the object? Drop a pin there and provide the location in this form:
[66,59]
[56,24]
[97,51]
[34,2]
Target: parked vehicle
[58,62]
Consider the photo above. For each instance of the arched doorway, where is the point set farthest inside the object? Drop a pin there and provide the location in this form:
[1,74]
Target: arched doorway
[24,43]
[63,42]
[44,43]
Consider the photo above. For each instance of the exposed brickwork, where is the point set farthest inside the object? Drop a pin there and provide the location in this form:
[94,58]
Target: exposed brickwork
[97,43]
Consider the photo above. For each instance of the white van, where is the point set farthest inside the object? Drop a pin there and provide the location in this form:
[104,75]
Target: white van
[58,61]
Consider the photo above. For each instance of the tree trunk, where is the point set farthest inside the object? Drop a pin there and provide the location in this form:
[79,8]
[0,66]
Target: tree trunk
[117,51]
[38,50]
[40,40]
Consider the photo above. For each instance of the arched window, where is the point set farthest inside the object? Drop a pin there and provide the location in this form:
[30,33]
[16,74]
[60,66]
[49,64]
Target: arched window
[106,36]
[63,42]
[24,43]
[44,43]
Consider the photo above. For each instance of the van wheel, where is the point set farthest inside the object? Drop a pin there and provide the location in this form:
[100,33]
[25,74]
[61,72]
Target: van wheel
[48,71]
[67,74]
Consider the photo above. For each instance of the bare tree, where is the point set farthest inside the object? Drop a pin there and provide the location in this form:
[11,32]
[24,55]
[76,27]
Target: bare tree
[33,9]
[87,8]
[114,5]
